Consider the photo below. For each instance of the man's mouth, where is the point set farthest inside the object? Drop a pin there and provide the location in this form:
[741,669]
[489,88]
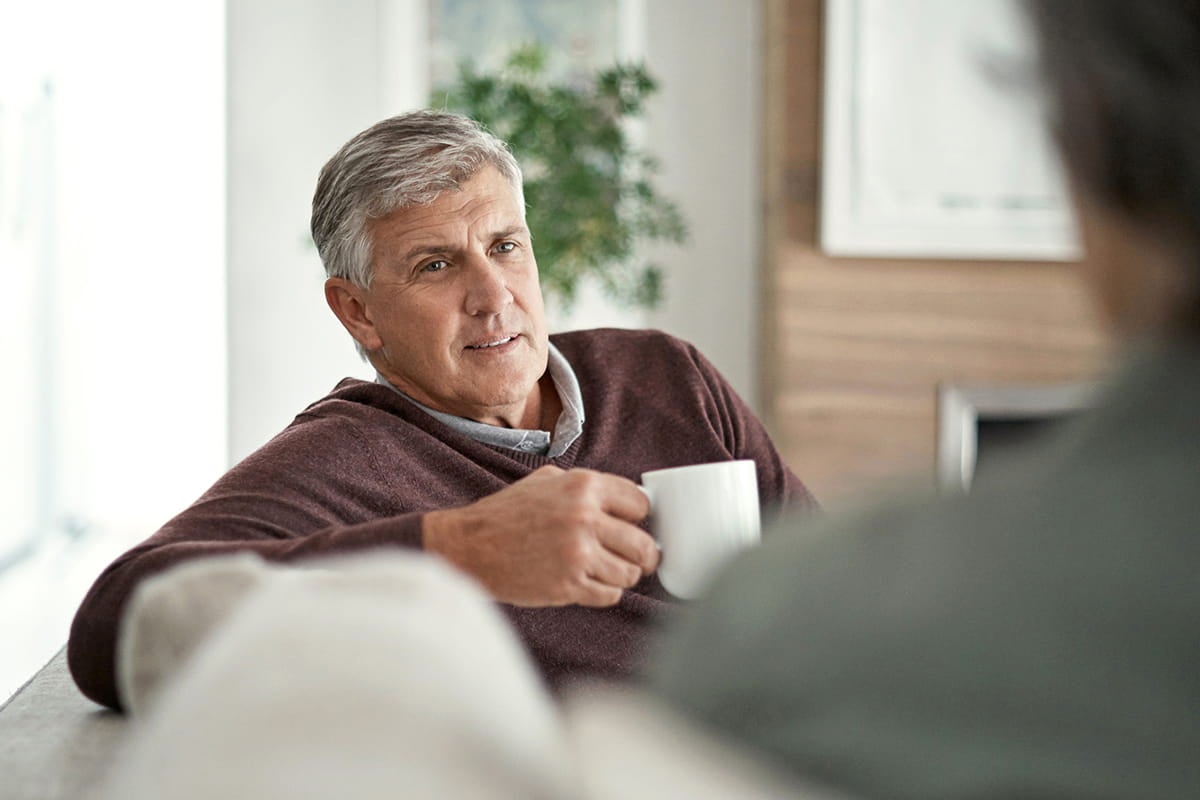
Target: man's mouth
[497,343]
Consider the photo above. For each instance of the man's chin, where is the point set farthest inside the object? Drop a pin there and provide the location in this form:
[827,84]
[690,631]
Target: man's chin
[501,401]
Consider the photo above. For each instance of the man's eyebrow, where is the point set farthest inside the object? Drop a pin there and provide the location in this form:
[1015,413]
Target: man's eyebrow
[437,249]
[424,250]
[510,231]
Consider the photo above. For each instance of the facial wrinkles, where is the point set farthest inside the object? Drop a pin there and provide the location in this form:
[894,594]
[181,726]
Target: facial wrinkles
[465,231]
[465,227]
[428,322]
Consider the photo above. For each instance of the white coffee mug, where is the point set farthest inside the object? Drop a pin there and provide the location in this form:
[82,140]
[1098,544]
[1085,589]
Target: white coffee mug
[702,515]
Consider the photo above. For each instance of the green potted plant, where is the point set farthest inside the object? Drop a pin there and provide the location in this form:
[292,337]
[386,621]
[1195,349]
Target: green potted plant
[589,191]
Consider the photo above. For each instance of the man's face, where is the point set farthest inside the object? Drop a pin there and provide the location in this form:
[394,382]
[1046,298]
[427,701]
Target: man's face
[454,315]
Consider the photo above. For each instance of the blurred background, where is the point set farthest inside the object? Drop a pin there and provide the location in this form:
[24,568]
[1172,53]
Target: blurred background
[164,311]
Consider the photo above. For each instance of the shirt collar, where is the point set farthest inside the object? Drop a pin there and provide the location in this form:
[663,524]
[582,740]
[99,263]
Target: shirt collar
[566,430]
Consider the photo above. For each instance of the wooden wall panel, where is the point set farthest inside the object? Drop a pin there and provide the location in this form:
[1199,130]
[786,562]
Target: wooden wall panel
[854,349]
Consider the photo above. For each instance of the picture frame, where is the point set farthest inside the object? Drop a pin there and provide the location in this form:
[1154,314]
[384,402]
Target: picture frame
[933,144]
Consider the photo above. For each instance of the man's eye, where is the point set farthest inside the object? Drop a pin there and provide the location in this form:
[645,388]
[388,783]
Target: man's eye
[434,266]
[506,247]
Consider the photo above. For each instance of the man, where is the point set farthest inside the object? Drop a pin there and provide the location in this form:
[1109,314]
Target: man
[512,455]
[1038,638]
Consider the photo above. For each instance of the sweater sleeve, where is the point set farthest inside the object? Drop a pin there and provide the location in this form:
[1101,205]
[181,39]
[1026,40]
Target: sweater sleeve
[780,490]
[311,491]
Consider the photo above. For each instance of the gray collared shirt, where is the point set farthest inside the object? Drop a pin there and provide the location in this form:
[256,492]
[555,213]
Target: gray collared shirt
[566,430]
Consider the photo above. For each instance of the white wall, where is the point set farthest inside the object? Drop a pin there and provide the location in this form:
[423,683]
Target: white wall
[303,78]
[706,127]
[116,369]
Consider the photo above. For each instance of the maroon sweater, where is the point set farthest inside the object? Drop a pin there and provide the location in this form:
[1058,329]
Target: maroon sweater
[357,469]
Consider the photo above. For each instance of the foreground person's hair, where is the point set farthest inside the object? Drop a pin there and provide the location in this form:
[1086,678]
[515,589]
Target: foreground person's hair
[1122,83]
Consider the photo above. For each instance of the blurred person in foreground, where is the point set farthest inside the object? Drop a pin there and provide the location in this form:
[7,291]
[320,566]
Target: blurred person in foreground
[510,453]
[1039,637]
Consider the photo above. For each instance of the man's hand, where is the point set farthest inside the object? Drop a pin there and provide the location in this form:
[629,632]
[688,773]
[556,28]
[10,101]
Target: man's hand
[553,538]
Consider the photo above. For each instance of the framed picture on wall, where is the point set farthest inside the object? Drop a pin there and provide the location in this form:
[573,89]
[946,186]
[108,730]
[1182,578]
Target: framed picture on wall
[933,144]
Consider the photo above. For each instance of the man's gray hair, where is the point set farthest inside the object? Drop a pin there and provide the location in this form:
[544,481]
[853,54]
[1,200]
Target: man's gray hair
[404,161]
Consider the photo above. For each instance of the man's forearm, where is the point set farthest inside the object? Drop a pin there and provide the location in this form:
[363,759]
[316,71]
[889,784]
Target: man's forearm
[91,650]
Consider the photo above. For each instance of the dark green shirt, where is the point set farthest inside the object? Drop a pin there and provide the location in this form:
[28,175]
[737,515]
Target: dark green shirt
[1037,638]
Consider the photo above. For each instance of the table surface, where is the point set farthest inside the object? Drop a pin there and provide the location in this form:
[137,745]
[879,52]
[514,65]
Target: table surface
[54,742]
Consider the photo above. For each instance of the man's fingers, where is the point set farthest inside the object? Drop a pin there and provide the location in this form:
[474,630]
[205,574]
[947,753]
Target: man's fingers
[552,537]
[595,594]
[623,498]
[630,543]
[612,570]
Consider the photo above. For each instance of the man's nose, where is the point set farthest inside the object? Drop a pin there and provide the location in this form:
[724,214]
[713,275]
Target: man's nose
[487,288]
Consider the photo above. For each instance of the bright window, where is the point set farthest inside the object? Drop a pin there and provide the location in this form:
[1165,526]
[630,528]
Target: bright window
[112,252]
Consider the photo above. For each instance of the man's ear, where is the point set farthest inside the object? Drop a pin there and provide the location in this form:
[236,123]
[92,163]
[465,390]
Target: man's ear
[348,302]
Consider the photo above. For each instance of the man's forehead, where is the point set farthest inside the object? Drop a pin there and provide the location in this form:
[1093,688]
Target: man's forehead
[429,229]
[487,193]
[427,224]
